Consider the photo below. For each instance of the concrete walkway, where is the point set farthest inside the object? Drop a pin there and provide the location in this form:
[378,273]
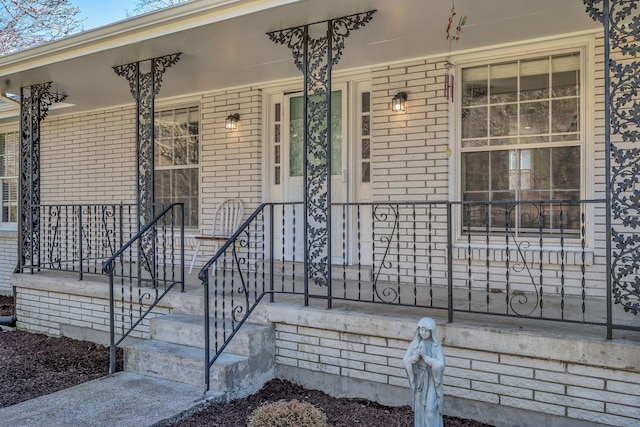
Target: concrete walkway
[122,400]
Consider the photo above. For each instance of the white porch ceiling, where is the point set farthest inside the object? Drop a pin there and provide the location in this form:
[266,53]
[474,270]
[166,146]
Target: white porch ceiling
[223,43]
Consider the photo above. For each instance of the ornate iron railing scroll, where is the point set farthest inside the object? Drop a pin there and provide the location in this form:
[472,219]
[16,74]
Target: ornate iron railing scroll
[388,217]
[622,37]
[145,79]
[315,57]
[35,101]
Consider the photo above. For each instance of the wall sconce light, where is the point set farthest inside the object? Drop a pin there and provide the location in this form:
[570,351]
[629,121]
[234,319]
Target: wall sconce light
[231,122]
[398,102]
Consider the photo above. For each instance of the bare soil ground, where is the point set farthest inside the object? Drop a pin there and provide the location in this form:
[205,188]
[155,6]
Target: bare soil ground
[33,365]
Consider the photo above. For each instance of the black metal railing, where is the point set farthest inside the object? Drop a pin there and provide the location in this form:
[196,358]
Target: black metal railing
[239,282]
[142,272]
[522,259]
[78,237]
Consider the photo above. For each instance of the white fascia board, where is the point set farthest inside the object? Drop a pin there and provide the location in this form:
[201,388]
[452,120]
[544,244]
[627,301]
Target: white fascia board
[156,24]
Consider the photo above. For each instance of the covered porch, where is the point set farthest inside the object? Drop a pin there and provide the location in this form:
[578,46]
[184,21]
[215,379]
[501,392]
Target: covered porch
[516,272]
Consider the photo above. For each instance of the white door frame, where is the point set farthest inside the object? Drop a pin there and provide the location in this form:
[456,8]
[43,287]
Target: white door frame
[353,188]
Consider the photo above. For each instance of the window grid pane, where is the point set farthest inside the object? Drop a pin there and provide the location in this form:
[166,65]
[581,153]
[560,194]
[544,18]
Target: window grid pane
[277,140]
[521,141]
[177,156]
[365,141]
[8,177]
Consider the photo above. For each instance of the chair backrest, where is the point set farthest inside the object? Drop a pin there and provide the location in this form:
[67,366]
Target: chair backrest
[227,217]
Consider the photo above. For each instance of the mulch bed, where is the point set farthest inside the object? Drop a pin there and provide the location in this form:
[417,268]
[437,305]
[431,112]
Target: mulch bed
[340,412]
[33,365]
[6,306]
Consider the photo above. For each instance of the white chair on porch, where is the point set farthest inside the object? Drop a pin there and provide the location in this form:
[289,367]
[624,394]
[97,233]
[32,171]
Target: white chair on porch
[226,221]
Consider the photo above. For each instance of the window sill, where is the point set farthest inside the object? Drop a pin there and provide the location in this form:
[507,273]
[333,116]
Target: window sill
[551,254]
[8,233]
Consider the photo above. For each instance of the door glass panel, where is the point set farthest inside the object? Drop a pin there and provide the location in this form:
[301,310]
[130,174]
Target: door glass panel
[296,133]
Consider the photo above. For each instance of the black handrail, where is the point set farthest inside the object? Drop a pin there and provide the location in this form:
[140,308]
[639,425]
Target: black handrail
[203,275]
[138,235]
[203,271]
[151,267]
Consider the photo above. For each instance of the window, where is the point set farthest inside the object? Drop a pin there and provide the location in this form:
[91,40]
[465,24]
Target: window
[9,143]
[296,134]
[277,144]
[177,148]
[365,136]
[521,141]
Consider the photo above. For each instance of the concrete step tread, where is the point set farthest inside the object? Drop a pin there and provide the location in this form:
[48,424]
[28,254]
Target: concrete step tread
[182,351]
[251,339]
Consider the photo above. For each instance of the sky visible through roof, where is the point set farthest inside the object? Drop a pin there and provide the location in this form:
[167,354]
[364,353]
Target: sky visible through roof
[96,13]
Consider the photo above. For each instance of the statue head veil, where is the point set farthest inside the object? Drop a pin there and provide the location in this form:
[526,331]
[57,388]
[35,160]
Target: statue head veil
[430,324]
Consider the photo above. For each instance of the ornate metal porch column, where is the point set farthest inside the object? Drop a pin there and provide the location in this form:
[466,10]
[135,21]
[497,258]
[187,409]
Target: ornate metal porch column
[621,22]
[35,101]
[315,58]
[145,79]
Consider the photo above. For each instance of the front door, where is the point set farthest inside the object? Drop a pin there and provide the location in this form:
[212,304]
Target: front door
[286,171]
[294,179]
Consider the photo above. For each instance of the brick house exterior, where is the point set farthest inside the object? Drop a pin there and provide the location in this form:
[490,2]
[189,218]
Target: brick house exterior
[513,374]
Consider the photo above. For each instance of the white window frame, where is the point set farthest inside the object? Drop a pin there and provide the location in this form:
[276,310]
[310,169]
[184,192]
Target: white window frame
[165,107]
[353,82]
[584,44]
[8,225]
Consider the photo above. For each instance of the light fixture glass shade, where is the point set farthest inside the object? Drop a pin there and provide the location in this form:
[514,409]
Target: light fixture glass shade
[398,102]
[231,122]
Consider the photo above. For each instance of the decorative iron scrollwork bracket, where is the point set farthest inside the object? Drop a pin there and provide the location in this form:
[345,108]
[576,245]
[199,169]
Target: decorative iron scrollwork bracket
[35,101]
[622,19]
[315,57]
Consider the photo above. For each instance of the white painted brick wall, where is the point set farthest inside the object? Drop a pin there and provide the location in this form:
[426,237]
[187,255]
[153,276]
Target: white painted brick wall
[409,149]
[231,160]
[89,157]
[410,162]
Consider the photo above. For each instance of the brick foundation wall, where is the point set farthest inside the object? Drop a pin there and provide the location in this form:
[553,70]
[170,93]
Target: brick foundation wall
[58,307]
[8,260]
[563,381]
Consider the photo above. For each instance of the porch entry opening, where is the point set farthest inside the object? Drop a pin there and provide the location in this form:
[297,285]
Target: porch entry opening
[347,183]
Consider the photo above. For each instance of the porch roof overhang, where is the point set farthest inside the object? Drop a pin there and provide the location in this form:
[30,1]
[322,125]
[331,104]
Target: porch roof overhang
[223,43]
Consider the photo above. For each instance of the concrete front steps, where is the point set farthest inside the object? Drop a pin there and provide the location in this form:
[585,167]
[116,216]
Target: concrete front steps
[176,352]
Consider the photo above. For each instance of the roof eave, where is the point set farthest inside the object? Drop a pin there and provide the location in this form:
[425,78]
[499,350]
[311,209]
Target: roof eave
[177,18]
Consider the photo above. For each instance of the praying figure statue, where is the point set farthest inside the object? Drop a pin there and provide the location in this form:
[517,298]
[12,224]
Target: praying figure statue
[424,362]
